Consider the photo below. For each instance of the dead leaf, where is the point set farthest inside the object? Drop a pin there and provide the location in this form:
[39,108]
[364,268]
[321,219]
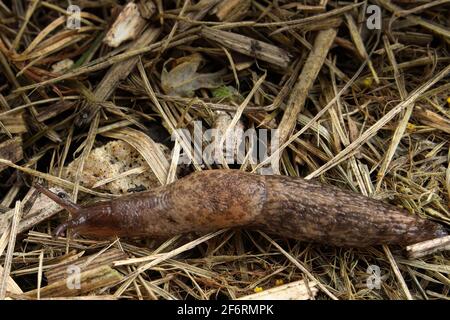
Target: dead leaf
[184,79]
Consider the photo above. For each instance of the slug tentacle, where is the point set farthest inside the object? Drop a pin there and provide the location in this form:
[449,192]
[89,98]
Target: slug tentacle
[290,207]
[63,202]
[61,229]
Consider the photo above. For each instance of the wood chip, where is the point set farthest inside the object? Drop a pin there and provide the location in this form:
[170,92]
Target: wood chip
[425,248]
[298,290]
[128,26]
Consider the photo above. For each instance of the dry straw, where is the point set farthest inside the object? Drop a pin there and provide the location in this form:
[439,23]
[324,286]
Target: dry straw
[365,110]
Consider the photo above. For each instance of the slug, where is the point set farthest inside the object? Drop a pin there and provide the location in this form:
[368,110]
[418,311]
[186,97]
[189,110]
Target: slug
[287,206]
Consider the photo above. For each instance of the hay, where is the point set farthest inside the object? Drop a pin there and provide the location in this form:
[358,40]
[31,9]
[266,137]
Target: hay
[363,109]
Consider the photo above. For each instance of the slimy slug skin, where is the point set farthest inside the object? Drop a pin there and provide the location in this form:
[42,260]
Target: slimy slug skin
[287,206]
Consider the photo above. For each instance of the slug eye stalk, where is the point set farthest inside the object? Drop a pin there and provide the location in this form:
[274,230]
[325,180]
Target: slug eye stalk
[70,206]
[64,202]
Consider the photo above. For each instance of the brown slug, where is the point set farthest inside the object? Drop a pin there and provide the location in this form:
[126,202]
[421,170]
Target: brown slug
[287,206]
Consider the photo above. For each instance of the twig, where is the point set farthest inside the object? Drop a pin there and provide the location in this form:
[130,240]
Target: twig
[425,248]
[305,81]
[10,251]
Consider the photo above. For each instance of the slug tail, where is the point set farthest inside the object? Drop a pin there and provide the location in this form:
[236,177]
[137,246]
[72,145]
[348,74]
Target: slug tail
[422,230]
[309,211]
